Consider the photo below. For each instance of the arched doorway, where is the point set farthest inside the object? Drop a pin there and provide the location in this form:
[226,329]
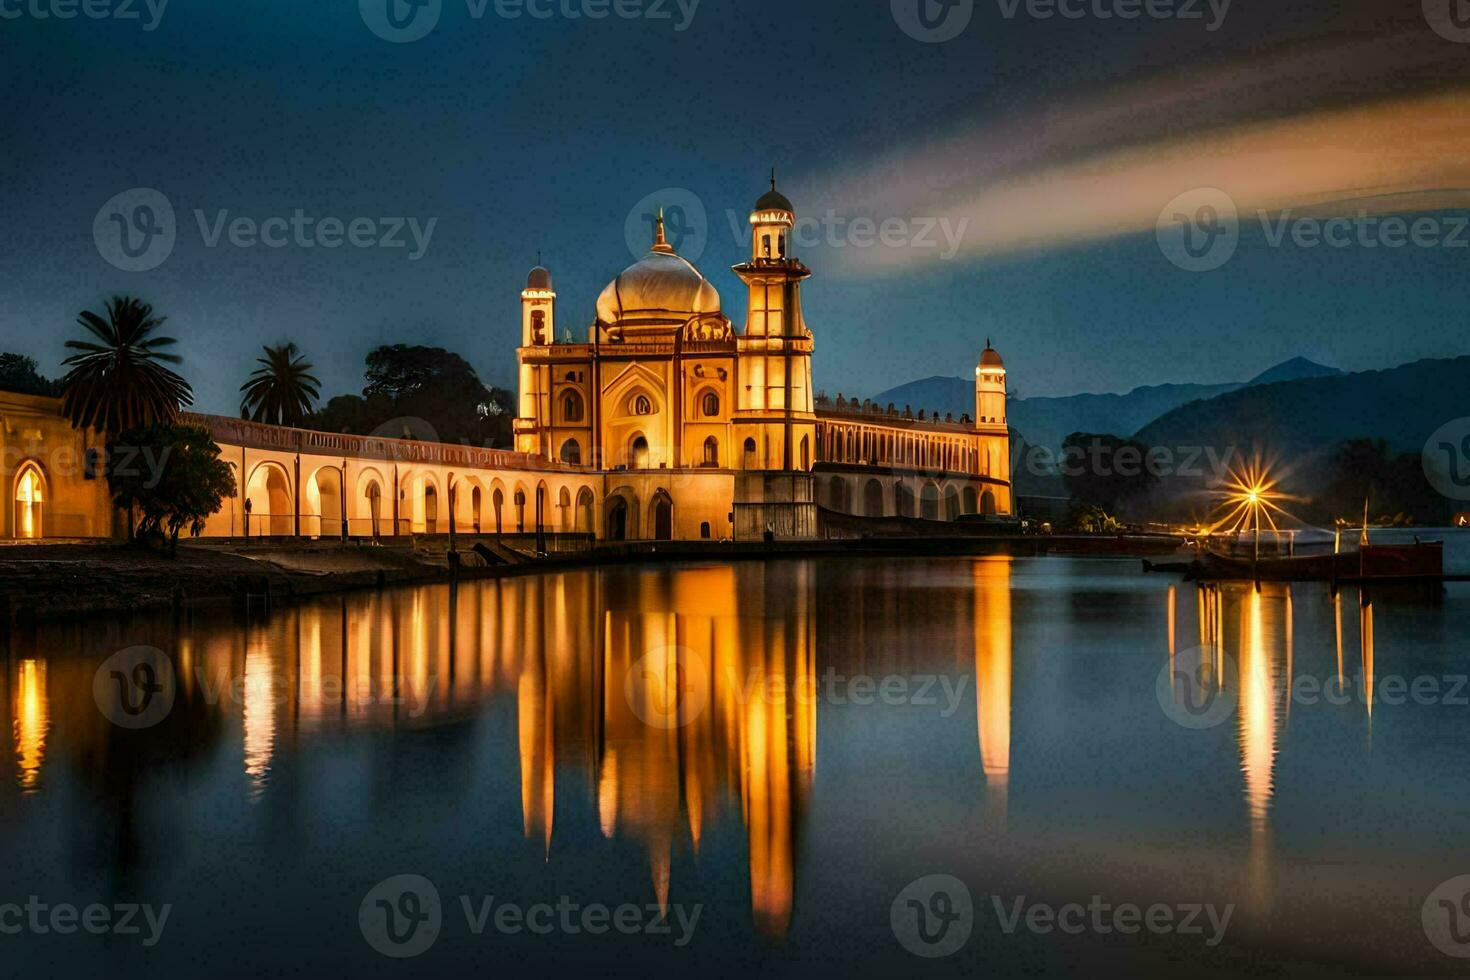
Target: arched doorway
[585,503]
[617,520]
[750,458]
[571,452]
[477,504]
[929,500]
[638,453]
[374,494]
[971,507]
[873,499]
[806,453]
[431,510]
[328,484]
[987,502]
[540,508]
[497,499]
[663,517]
[269,499]
[564,517]
[30,502]
[520,502]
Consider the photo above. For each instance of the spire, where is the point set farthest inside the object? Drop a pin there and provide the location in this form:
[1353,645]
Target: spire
[773,178]
[660,243]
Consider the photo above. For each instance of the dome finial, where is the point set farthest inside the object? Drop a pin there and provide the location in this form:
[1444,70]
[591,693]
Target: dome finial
[773,178]
[660,242]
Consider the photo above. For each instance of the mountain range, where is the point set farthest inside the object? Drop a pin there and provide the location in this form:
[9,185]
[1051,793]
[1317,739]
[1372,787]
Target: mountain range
[1047,421]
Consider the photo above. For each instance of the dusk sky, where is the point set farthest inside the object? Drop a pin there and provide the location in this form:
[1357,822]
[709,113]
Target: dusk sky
[1056,142]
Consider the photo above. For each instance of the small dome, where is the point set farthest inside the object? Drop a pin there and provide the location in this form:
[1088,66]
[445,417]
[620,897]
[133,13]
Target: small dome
[774,200]
[540,278]
[991,359]
[661,285]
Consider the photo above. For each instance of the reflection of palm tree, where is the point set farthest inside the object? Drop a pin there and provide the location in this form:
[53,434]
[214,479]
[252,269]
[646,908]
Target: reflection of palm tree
[282,390]
[120,382]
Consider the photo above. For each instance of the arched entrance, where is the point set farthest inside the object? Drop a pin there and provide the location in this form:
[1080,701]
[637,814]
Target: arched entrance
[987,502]
[585,503]
[477,505]
[374,495]
[663,517]
[326,488]
[971,507]
[929,498]
[497,500]
[617,520]
[873,499]
[30,502]
[903,500]
[269,499]
[638,453]
[431,510]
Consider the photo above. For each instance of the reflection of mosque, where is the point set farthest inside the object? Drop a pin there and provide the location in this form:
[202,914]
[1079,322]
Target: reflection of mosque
[574,655]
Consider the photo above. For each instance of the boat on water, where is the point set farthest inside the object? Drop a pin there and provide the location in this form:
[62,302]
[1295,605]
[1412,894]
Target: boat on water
[1371,562]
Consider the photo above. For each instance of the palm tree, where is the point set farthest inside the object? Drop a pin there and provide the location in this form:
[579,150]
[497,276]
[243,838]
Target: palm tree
[282,390]
[118,382]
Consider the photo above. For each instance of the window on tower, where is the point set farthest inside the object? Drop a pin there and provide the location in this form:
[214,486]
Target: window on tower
[766,245]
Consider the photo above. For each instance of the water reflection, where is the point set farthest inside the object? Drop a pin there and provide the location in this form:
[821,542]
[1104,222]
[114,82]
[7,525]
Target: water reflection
[31,720]
[659,709]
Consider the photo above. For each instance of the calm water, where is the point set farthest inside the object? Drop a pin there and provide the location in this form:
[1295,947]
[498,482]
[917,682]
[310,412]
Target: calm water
[784,746]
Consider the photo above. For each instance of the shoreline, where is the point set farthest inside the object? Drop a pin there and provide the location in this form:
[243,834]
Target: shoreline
[46,582]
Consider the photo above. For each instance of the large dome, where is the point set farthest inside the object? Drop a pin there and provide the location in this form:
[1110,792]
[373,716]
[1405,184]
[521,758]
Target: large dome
[659,286]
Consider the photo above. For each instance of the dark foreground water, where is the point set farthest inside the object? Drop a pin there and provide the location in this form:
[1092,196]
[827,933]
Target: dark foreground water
[796,768]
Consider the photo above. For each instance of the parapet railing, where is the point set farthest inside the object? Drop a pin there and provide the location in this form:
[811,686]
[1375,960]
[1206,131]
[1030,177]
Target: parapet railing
[259,435]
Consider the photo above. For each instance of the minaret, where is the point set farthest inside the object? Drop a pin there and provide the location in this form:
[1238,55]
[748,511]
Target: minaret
[990,390]
[538,329]
[775,390]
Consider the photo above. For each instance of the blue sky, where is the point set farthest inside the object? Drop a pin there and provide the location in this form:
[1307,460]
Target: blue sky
[523,135]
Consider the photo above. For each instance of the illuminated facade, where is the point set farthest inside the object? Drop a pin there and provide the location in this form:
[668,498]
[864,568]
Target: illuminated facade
[668,423]
[706,431]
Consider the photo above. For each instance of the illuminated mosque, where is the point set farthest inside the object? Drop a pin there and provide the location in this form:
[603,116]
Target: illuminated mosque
[668,423]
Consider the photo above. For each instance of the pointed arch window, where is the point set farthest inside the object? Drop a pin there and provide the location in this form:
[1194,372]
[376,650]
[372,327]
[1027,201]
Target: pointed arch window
[642,405]
[571,407]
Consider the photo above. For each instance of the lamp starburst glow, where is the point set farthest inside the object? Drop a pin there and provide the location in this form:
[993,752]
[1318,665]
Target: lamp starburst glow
[1250,498]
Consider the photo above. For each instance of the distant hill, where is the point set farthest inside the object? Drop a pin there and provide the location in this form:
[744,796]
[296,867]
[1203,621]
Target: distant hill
[1290,419]
[1296,369]
[1047,421]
